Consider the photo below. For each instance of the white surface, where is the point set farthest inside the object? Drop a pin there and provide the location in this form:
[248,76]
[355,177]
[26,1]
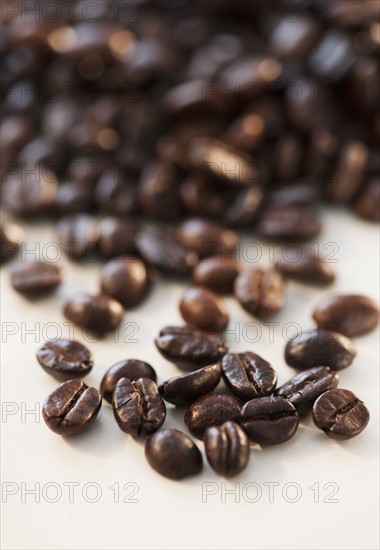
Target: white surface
[171,514]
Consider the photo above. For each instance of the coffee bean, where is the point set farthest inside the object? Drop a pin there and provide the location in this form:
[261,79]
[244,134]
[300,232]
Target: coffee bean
[261,293]
[295,40]
[71,408]
[368,203]
[227,448]
[188,346]
[189,99]
[11,237]
[158,192]
[350,172]
[173,454]
[36,279]
[307,268]
[202,197]
[340,414]
[333,69]
[204,309]
[304,388]
[207,238]
[351,314]
[292,223]
[248,375]
[245,208]
[116,195]
[73,199]
[217,274]
[133,369]
[211,410]
[314,348]
[116,237]
[269,420]
[65,359]
[79,236]
[137,406]
[185,389]
[98,313]
[163,251]
[125,279]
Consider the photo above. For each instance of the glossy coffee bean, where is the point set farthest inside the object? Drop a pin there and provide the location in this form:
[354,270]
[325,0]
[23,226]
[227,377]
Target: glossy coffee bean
[137,406]
[203,309]
[116,237]
[314,348]
[245,207]
[32,194]
[304,388]
[115,194]
[65,359]
[340,414]
[97,313]
[11,238]
[201,196]
[261,293]
[307,268]
[158,192]
[185,389]
[351,314]
[367,205]
[349,174]
[217,274]
[36,279]
[269,420]
[133,369]
[207,238]
[173,454]
[211,410]
[227,448]
[79,236]
[189,347]
[292,223]
[71,408]
[164,252]
[125,279]
[248,375]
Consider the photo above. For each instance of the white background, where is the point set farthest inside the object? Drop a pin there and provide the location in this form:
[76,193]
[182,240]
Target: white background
[172,514]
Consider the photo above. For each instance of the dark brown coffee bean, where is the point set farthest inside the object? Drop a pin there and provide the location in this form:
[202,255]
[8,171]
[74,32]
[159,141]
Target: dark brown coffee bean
[11,238]
[292,223]
[314,348]
[125,279]
[65,359]
[332,69]
[368,203]
[350,172]
[300,193]
[183,390]
[116,237]
[340,414]
[245,208]
[133,369]
[292,39]
[227,448]
[261,293]
[203,309]
[35,279]
[269,420]
[79,236]
[189,347]
[98,313]
[203,197]
[73,199]
[71,408]
[173,454]
[211,410]
[189,99]
[158,192]
[163,251]
[207,238]
[137,406]
[116,194]
[248,375]
[306,267]
[217,274]
[304,388]
[246,133]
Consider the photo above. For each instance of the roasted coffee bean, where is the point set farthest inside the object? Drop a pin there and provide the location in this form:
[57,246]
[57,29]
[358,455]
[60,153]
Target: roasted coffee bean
[269,420]
[217,274]
[340,414]
[71,408]
[35,279]
[163,251]
[203,197]
[211,410]
[73,199]
[133,369]
[79,236]
[189,99]
[245,207]
[304,388]
[125,279]
[292,39]
[173,454]
[158,192]
[292,223]
[98,313]
[321,62]
[207,238]
[314,348]
[183,390]
[351,314]
[11,237]
[116,237]
[368,203]
[307,268]
[115,194]
[203,309]
[227,448]
[349,175]
[65,359]
[248,375]
[261,293]
[189,347]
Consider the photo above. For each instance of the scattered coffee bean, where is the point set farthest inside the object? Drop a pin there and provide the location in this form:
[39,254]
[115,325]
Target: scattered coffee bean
[65,359]
[98,313]
[269,420]
[71,408]
[125,279]
[217,274]
[185,389]
[203,309]
[314,348]
[159,193]
[173,454]
[36,279]
[133,369]
[116,237]
[227,448]
[351,314]
[261,293]
[11,237]
[304,388]
[340,414]
[207,238]
[248,375]
[79,236]
[307,268]
[211,410]
[292,223]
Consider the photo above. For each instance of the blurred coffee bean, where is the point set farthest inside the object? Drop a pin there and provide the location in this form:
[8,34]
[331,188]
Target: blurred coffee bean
[288,156]
[133,369]
[86,170]
[159,192]
[295,38]
[217,274]
[292,223]
[73,199]
[245,209]
[301,193]
[97,313]
[207,238]
[116,237]
[36,279]
[203,309]
[43,151]
[15,131]
[333,57]
[211,410]
[79,236]
[201,197]
[349,174]
[115,194]
[11,237]
[306,267]
[126,279]
[261,293]
[192,98]
[246,133]
[368,203]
